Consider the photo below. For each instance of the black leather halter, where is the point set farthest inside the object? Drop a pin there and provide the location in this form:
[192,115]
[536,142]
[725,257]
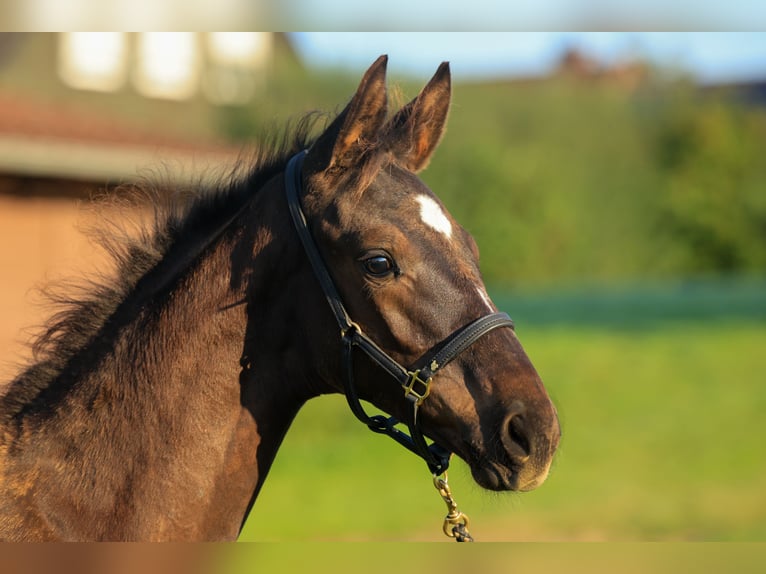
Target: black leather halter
[416,383]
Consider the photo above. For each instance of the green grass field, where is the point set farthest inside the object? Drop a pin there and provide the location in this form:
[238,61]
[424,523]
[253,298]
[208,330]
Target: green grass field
[663,439]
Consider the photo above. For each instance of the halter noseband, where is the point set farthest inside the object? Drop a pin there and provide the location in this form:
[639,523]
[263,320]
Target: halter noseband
[416,383]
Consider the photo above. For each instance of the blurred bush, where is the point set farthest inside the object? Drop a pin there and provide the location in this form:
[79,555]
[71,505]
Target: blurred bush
[711,157]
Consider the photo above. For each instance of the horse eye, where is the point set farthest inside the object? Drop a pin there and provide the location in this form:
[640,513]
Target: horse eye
[379,265]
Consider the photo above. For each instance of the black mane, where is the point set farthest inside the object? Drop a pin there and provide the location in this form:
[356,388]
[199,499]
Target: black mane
[181,220]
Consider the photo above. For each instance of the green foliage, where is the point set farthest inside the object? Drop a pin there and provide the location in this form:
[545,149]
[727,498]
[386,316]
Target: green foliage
[552,181]
[712,160]
[563,181]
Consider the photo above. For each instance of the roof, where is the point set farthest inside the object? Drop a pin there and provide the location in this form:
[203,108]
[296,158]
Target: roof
[48,139]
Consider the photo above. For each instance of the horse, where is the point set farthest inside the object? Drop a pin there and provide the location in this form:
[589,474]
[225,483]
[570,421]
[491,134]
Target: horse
[156,401]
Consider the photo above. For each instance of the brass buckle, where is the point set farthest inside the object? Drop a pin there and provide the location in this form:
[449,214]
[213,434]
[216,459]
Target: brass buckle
[420,394]
[456,522]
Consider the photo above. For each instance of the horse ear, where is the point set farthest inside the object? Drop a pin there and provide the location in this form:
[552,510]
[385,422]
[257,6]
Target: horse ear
[415,131]
[349,135]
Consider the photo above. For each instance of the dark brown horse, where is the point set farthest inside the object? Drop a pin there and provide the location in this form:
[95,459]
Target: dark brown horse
[156,404]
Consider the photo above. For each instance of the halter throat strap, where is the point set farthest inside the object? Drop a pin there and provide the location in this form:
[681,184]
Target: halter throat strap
[416,382]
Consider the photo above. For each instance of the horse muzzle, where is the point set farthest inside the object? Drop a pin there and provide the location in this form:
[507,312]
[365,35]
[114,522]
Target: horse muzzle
[521,459]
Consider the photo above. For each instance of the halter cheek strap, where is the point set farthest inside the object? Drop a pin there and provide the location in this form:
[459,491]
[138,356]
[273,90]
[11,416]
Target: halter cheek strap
[416,383]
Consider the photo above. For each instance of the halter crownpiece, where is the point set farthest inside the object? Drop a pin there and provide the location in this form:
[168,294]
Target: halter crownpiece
[416,383]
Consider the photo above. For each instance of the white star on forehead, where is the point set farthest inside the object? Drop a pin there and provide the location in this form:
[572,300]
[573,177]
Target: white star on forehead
[433,215]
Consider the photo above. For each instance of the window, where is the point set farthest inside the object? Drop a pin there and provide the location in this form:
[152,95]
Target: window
[167,64]
[93,60]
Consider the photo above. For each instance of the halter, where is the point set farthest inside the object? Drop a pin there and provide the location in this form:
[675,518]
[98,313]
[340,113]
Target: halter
[415,382]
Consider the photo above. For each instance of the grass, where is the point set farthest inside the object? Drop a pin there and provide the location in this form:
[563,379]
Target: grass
[662,440]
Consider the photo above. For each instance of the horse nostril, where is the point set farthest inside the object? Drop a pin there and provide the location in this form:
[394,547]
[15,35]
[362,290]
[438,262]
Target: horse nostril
[516,430]
[515,437]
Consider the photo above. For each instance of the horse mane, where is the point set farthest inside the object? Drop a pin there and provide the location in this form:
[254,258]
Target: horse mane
[181,220]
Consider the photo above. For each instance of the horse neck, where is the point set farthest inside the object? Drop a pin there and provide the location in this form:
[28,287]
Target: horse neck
[173,432]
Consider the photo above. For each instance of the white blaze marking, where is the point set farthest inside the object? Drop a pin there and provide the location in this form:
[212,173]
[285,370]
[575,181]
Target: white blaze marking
[485,298]
[433,215]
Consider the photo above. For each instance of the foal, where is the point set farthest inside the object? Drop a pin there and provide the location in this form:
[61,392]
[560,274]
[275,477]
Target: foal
[157,403]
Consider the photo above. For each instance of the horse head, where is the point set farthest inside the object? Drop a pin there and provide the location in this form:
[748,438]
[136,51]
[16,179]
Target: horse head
[408,274]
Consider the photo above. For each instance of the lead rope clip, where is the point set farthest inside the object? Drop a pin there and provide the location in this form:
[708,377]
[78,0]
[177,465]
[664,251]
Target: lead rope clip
[456,522]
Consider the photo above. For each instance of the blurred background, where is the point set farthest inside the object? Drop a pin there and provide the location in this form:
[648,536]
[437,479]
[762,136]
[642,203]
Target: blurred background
[615,184]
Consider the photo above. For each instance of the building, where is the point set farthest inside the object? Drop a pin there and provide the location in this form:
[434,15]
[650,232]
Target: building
[82,113]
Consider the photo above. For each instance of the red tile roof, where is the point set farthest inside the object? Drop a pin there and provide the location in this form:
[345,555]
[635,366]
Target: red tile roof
[31,118]
[49,139]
